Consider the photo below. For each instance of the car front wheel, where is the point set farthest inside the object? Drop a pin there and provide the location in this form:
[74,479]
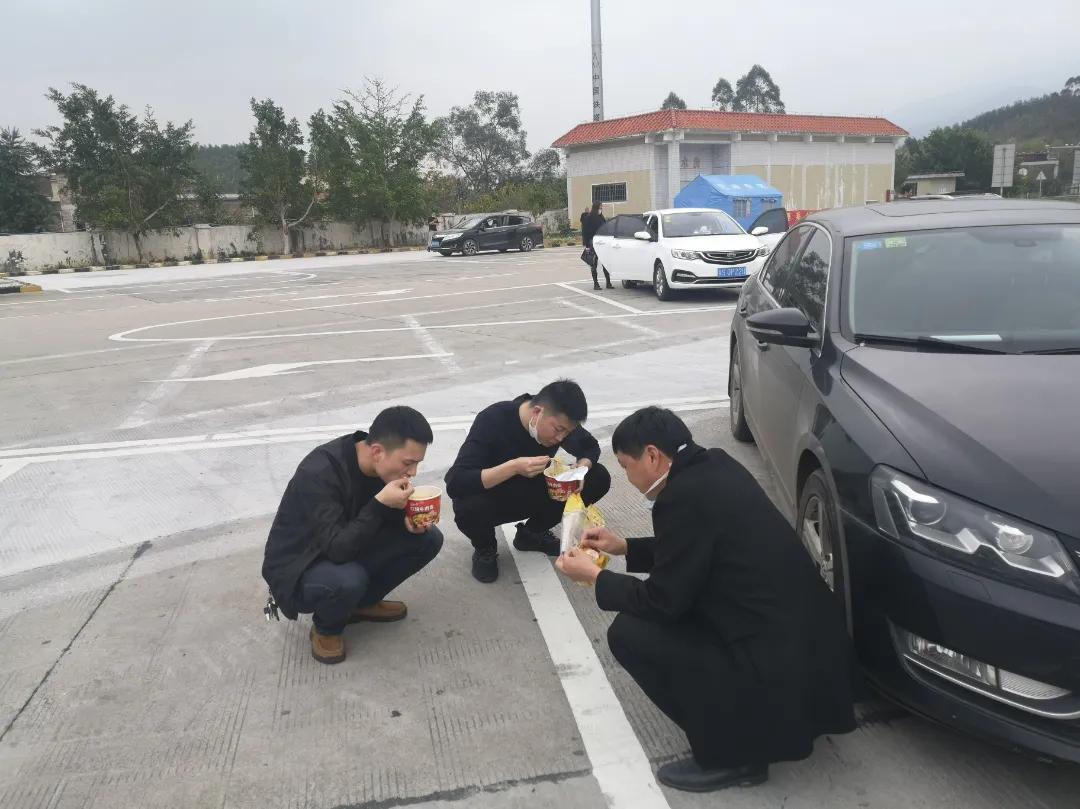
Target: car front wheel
[470,247]
[660,283]
[819,532]
[739,426]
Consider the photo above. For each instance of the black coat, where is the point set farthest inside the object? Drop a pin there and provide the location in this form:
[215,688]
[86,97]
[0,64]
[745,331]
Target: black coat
[328,511]
[725,563]
[589,225]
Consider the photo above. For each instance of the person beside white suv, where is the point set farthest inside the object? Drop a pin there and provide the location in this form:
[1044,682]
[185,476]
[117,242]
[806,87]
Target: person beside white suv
[677,249]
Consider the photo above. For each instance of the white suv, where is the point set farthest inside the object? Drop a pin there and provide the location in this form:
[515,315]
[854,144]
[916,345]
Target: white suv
[686,248]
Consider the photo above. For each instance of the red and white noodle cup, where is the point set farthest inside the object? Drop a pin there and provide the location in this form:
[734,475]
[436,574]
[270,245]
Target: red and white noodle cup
[424,507]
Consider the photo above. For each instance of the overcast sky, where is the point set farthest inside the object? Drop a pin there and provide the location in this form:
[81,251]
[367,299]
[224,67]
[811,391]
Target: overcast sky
[919,62]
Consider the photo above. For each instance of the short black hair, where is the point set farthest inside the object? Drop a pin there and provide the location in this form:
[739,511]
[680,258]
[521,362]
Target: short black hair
[650,425]
[398,424]
[563,396]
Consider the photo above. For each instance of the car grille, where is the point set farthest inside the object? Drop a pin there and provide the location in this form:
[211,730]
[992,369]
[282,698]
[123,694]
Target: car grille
[730,257]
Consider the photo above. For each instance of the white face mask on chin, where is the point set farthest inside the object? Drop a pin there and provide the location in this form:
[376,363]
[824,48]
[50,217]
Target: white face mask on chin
[535,427]
[651,501]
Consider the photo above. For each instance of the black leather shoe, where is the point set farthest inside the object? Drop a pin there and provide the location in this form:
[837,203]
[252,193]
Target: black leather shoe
[543,541]
[485,565]
[690,776]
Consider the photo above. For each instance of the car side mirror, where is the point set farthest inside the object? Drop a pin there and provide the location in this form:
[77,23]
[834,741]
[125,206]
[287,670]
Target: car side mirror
[784,327]
[644,235]
[760,230]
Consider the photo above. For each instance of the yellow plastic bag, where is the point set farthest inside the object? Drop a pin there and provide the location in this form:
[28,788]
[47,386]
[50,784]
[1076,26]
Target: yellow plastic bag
[576,519]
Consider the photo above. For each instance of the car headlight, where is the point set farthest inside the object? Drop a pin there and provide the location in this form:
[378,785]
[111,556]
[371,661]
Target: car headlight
[686,255]
[763,251]
[929,519]
[451,237]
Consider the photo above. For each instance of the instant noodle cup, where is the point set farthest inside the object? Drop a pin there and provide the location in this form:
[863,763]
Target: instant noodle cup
[424,507]
[563,481]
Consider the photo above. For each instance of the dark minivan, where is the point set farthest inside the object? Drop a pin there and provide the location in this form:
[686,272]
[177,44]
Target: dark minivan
[911,373]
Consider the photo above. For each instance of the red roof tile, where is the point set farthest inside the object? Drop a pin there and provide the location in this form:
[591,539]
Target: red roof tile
[662,120]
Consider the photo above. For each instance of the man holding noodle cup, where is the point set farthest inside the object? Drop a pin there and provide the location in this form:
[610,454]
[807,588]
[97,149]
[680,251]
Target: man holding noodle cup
[351,528]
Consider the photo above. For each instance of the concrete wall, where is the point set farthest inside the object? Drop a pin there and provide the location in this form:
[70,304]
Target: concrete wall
[35,252]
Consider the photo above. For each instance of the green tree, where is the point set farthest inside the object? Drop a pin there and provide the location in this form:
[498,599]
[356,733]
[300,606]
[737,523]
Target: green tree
[673,102]
[279,182]
[954,148]
[723,96]
[757,92]
[222,164]
[123,172]
[484,141]
[22,207]
[207,206]
[372,146]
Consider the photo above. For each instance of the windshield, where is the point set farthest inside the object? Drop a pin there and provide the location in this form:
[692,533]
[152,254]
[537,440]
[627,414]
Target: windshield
[700,223]
[466,222]
[1013,288]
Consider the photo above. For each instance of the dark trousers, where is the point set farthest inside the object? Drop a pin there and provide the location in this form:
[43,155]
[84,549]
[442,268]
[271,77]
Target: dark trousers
[332,591]
[520,499]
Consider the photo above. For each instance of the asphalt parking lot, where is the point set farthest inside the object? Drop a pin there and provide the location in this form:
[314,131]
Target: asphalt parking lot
[152,419]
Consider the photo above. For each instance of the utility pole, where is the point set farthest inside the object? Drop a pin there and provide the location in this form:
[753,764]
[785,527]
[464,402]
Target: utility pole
[597,66]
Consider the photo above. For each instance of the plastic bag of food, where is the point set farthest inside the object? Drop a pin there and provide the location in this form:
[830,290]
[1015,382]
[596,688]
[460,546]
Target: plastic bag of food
[576,519]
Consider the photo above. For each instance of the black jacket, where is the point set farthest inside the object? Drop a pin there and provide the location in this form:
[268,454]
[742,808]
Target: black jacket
[725,560]
[589,225]
[328,511]
[496,436]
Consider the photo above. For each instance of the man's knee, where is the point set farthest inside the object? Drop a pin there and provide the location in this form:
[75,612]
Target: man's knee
[432,540]
[620,637]
[597,484]
[472,509]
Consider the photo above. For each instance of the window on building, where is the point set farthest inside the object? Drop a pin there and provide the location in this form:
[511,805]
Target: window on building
[742,208]
[609,192]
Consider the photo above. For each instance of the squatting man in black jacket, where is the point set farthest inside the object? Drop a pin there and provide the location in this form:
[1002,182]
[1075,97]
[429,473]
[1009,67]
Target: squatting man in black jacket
[340,541]
[733,634]
[497,477]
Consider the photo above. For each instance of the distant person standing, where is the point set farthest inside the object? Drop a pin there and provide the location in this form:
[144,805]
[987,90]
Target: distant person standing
[589,225]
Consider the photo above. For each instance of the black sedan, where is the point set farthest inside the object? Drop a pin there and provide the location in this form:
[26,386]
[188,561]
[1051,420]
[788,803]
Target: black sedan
[489,231]
[910,373]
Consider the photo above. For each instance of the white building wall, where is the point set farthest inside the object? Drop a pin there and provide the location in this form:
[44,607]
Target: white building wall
[609,158]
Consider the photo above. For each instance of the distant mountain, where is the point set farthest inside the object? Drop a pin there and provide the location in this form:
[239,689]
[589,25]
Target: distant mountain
[924,115]
[1052,119]
[222,164]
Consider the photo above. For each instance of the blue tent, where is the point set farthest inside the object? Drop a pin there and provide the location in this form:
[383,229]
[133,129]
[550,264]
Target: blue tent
[743,196]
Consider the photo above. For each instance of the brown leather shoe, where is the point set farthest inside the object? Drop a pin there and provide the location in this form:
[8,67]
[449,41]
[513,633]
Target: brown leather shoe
[327,648]
[380,612]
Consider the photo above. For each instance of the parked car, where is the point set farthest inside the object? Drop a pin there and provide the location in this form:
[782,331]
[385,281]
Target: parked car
[909,373]
[472,234]
[685,248]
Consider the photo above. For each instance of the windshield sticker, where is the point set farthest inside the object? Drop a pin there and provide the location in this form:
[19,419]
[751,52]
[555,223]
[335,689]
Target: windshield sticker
[896,241]
[871,244]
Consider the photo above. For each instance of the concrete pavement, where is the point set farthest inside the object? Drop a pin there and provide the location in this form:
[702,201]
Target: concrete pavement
[139,479]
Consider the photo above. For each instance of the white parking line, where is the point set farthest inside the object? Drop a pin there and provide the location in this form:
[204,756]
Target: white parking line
[144,413]
[150,446]
[428,341]
[619,763]
[629,324]
[601,298]
[279,368]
